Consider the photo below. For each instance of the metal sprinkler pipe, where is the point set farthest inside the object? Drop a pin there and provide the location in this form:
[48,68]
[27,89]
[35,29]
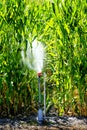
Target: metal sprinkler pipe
[44,94]
[40,112]
[39,91]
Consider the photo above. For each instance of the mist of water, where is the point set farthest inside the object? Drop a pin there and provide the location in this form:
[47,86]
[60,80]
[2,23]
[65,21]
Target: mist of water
[34,56]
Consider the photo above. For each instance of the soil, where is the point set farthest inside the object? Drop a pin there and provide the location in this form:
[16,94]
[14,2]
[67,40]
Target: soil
[50,123]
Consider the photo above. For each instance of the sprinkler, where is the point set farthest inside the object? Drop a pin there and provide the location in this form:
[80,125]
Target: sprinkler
[40,112]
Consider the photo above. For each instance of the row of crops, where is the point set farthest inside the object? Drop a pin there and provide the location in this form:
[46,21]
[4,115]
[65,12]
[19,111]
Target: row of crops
[61,25]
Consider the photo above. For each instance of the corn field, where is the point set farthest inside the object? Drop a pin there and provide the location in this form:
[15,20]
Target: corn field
[61,25]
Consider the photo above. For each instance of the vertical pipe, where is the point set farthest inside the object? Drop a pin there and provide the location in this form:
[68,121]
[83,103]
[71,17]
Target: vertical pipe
[40,112]
[39,91]
[44,94]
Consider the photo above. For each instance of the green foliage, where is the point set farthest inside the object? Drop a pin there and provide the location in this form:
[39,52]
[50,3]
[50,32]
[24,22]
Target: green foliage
[62,26]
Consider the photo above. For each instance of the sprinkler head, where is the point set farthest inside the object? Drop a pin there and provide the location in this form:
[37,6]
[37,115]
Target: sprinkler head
[39,74]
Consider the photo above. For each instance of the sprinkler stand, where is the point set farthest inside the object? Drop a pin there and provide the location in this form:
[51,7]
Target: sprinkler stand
[40,112]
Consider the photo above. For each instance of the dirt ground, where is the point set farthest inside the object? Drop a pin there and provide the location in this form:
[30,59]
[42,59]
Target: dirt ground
[50,123]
